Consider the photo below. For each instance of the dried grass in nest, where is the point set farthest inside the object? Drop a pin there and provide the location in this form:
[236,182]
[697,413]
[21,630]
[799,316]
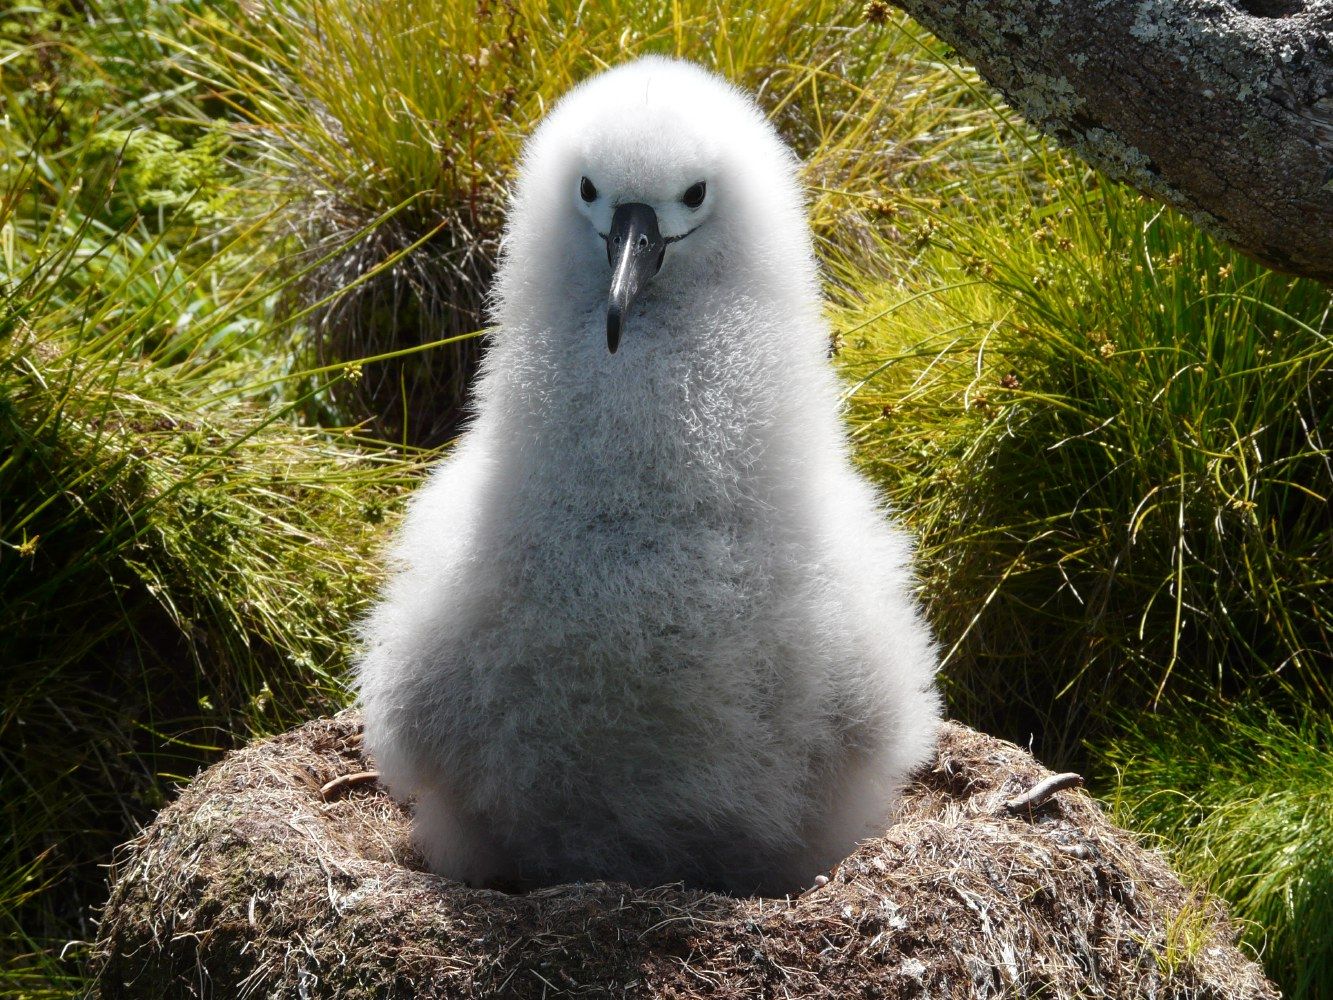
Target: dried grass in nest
[252,885]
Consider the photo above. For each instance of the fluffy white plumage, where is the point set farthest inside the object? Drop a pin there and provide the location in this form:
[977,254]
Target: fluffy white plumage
[649,624]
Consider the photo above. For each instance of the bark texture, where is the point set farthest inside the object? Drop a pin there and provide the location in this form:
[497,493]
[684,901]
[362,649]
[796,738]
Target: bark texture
[1221,108]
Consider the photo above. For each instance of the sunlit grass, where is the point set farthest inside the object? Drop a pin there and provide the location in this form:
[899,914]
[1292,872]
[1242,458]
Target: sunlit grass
[180,565]
[379,102]
[1242,802]
[1112,436]
[1114,439]
[350,108]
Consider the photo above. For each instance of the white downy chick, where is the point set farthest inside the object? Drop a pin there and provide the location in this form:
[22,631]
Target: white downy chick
[648,623]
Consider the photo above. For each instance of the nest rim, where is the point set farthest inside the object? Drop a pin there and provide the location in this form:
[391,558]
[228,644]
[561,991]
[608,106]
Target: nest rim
[967,894]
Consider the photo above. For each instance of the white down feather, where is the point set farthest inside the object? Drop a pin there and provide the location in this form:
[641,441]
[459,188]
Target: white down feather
[647,622]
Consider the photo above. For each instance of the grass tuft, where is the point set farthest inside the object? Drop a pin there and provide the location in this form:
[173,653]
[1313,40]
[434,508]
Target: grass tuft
[1242,800]
[358,110]
[1113,438]
[180,565]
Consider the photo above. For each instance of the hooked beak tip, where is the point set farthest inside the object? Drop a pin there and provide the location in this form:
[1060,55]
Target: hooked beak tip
[635,249]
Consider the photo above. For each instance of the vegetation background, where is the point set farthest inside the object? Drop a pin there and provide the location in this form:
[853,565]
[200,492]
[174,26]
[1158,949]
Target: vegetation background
[244,248]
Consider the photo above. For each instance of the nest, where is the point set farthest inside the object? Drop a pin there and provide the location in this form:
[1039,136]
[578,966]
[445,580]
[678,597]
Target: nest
[285,872]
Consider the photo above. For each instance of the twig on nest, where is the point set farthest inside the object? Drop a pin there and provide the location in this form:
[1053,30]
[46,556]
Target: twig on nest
[346,781]
[819,883]
[1036,796]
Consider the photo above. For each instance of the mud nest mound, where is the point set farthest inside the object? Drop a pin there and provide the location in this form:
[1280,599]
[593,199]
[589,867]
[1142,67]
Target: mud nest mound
[258,883]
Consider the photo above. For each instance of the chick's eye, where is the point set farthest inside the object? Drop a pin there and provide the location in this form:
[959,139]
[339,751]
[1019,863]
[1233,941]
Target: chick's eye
[694,195]
[587,191]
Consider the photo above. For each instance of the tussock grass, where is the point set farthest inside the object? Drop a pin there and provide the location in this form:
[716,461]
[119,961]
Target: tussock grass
[1242,800]
[179,563]
[360,109]
[1113,438]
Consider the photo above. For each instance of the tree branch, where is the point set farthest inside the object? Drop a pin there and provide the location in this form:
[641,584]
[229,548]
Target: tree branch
[1220,108]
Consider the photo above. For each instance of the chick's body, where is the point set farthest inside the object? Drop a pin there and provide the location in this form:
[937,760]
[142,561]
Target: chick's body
[649,623]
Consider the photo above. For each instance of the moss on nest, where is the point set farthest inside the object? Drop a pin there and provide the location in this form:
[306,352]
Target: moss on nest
[252,885]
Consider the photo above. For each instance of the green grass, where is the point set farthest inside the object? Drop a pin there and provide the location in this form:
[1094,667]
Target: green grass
[354,110]
[1114,439]
[1112,436]
[180,565]
[1242,801]
[381,104]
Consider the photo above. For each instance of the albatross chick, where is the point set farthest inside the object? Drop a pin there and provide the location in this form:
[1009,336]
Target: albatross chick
[648,623]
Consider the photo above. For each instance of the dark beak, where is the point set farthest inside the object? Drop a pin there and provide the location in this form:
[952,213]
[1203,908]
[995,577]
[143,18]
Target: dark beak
[635,249]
